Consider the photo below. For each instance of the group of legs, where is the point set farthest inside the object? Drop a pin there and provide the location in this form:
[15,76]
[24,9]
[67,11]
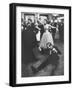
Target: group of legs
[45,60]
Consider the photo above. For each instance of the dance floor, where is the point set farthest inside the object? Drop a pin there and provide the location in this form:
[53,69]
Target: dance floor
[27,71]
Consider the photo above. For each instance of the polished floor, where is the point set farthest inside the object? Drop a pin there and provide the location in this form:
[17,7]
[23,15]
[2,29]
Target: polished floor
[27,71]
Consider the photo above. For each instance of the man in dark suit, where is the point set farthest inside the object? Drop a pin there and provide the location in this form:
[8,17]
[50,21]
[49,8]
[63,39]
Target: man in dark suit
[41,26]
[54,30]
[61,31]
[28,42]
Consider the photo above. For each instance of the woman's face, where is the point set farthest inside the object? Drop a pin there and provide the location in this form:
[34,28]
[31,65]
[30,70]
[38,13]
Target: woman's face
[45,22]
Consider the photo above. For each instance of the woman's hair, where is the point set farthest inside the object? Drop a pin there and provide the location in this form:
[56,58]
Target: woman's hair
[46,20]
[30,19]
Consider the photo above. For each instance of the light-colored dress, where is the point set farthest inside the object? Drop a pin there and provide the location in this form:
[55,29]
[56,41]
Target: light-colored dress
[47,37]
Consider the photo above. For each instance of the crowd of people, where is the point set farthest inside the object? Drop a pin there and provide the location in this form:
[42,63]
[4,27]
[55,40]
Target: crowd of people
[38,39]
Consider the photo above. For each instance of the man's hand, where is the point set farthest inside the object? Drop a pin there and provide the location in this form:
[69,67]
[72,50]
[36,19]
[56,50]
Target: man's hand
[54,50]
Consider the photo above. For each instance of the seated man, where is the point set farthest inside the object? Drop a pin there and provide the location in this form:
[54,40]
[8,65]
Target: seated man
[52,52]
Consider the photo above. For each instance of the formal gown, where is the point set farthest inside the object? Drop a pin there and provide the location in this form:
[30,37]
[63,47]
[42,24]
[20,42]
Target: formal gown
[46,38]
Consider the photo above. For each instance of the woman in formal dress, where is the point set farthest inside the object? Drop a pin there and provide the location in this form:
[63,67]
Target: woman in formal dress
[46,37]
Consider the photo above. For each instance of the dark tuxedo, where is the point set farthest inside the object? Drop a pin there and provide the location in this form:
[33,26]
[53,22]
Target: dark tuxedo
[28,42]
[53,30]
[42,29]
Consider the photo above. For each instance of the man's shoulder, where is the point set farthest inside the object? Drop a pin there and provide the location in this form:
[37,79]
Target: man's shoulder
[32,24]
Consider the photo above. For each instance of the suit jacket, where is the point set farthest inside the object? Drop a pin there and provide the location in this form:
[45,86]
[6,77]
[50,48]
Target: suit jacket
[28,42]
[47,51]
[42,29]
